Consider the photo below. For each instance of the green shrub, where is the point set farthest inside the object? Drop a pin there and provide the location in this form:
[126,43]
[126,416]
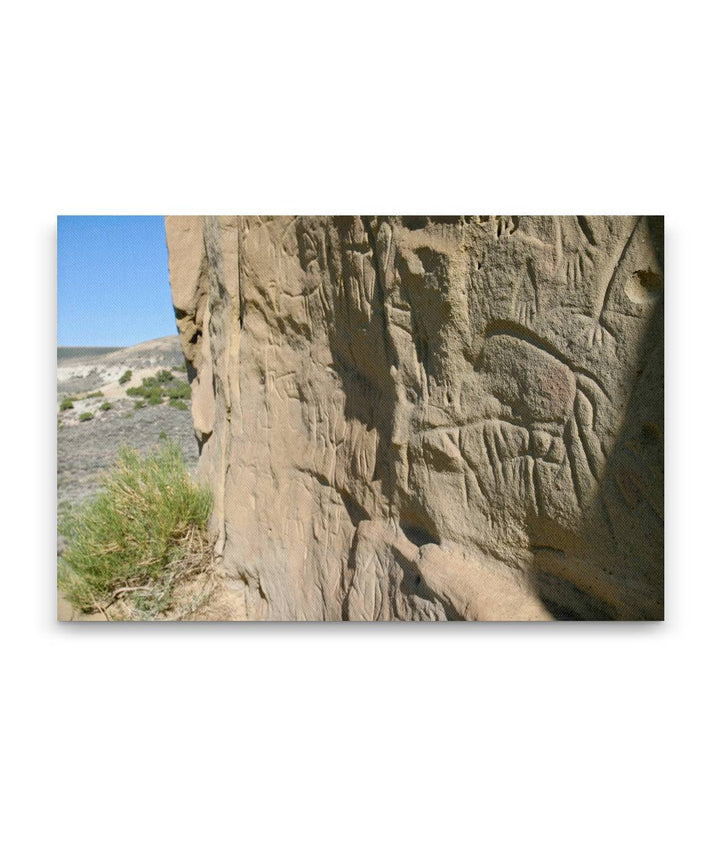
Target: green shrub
[98,394]
[162,385]
[85,417]
[66,404]
[148,384]
[179,369]
[146,390]
[177,404]
[106,406]
[125,377]
[179,389]
[143,533]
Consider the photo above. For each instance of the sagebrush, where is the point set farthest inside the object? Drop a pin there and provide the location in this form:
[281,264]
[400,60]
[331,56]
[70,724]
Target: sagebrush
[142,534]
[157,389]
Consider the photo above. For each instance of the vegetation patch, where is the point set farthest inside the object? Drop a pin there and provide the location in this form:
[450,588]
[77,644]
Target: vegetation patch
[125,377]
[106,406]
[66,404]
[178,390]
[97,394]
[178,404]
[160,387]
[141,537]
[145,390]
[85,417]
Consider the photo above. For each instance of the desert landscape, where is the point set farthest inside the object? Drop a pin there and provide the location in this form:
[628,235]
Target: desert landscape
[377,419]
[99,414]
[87,448]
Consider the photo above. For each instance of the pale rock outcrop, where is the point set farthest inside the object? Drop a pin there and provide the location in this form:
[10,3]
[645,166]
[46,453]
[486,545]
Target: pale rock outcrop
[429,417]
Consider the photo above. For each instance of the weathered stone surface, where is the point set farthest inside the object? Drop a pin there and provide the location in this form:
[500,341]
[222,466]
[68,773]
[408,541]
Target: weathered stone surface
[429,417]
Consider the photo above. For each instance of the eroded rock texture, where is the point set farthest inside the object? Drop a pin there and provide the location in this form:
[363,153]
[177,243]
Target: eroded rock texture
[429,417]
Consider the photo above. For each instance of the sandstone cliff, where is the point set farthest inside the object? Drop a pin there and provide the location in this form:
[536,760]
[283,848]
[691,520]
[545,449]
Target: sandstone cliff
[429,417]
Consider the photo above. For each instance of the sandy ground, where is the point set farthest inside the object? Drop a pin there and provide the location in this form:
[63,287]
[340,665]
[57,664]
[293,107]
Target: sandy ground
[223,603]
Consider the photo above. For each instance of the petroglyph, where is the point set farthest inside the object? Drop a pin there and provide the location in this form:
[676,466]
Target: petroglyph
[429,417]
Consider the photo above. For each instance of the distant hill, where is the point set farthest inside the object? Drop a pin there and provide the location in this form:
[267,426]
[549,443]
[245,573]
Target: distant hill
[84,369]
[72,353]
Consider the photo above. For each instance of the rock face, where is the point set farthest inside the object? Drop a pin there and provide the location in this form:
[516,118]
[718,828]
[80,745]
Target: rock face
[429,417]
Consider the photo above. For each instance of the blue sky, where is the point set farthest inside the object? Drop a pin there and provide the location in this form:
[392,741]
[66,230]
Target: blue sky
[112,281]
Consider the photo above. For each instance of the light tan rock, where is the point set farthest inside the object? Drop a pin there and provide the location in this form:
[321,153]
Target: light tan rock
[429,417]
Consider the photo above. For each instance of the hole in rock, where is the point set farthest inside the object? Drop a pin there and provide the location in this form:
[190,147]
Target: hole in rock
[418,535]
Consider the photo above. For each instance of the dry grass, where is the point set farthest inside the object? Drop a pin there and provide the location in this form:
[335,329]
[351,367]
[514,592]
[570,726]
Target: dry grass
[142,537]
